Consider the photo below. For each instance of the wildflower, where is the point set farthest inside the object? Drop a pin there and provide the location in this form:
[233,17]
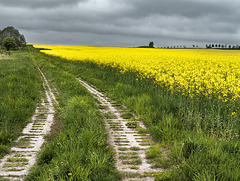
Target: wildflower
[233,113]
[69,174]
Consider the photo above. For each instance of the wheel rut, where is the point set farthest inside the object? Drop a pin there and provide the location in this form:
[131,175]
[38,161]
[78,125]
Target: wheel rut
[130,145]
[22,156]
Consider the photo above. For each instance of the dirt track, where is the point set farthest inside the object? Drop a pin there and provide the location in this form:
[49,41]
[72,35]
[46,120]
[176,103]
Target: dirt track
[128,143]
[130,146]
[16,165]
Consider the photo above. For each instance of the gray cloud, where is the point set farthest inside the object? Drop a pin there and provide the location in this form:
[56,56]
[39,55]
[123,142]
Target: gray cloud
[185,8]
[124,23]
[38,3]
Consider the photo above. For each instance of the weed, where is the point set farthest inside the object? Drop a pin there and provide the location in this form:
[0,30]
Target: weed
[132,124]
[146,144]
[126,157]
[16,159]
[121,141]
[19,155]
[122,144]
[154,152]
[162,163]
[110,115]
[123,148]
[102,107]
[135,148]
[130,174]
[134,167]
[128,153]
[128,115]
[137,161]
[23,141]
[14,169]
[14,164]
[142,130]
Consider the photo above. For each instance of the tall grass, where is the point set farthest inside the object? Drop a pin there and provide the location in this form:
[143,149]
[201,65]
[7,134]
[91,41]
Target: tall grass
[79,151]
[20,86]
[202,134]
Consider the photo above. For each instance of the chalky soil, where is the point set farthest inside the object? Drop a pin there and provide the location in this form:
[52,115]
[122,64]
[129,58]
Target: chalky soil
[22,157]
[128,143]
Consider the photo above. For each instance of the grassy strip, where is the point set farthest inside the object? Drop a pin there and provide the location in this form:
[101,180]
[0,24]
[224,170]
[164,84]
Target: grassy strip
[79,150]
[19,91]
[202,133]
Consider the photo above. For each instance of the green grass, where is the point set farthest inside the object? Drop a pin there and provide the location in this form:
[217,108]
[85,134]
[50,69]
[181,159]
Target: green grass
[14,159]
[201,134]
[132,124]
[77,149]
[122,148]
[154,152]
[110,115]
[20,86]
[134,167]
[137,161]
[102,107]
[135,148]
[14,164]
[15,169]
[127,115]
[126,157]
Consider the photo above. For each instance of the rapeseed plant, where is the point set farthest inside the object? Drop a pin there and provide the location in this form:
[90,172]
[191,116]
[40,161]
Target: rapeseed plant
[192,72]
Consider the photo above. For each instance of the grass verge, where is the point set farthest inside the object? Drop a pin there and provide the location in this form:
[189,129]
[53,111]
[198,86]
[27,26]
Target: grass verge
[19,89]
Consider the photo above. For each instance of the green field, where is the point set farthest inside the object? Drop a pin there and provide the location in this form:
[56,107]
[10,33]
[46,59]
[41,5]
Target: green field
[77,148]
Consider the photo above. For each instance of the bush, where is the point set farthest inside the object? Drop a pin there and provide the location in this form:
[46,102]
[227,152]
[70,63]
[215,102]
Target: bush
[9,43]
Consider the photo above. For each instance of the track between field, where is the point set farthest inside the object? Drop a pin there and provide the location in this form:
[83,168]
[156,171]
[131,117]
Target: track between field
[22,157]
[130,145]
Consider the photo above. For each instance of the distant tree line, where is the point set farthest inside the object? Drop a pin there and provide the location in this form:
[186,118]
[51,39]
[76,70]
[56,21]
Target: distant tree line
[10,38]
[220,46]
[175,46]
[223,46]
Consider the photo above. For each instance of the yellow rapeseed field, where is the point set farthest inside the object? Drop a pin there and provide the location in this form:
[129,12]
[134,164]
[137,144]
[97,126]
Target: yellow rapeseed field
[207,72]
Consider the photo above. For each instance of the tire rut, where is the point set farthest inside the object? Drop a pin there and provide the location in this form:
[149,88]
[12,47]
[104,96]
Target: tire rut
[130,146]
[22,156]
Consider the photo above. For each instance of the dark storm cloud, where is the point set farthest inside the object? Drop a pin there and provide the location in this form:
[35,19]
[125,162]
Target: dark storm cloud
[125,22]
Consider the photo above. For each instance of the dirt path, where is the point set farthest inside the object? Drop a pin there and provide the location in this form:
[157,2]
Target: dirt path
[130,146]
[16,165]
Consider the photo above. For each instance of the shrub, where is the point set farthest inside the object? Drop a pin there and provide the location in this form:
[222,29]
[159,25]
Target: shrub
[9,43]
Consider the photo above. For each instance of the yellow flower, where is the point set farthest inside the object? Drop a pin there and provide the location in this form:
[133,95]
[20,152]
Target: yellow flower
[233,113]
[195,72]
[69,174]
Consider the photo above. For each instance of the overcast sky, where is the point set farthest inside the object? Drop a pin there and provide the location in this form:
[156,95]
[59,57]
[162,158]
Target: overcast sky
[124,22]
